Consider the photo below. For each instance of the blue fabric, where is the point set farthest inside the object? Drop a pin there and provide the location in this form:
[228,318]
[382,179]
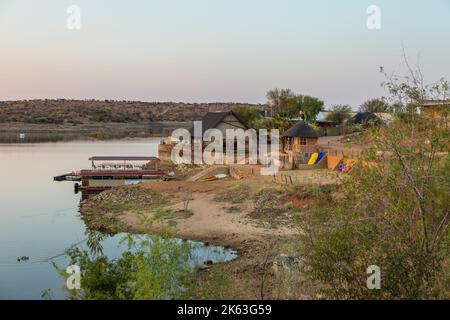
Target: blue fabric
[320,157]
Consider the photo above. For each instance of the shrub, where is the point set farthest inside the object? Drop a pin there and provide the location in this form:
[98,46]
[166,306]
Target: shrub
[392,212]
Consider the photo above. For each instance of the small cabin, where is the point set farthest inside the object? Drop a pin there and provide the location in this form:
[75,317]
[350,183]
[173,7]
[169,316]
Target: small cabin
[300,138]
[299,143]
[220,120]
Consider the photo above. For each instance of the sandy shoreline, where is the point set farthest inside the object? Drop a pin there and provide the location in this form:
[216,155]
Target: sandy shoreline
[214,222]
[218,223]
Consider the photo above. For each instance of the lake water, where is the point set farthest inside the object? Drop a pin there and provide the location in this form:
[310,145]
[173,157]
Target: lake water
[39,218]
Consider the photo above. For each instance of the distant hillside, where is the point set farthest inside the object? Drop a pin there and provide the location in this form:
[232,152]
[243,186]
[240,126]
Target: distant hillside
[80,112]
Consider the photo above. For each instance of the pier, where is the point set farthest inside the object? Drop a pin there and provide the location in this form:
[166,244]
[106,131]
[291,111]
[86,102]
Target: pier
[113,171]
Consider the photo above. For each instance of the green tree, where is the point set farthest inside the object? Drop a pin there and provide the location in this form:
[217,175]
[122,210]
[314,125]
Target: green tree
[249,116]
[409,92]
[282,121]
[392,210]
[339,113]
[260,123]
[279,99]
[305,107]
[375,105]
[153,268]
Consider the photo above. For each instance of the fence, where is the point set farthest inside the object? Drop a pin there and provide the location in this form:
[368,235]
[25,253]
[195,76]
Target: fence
[322,177]
[336,131]
[345,152]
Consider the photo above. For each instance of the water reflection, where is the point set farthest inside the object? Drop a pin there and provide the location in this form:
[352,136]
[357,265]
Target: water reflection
[200,254]
[39,218]
[30,136]
[146,267]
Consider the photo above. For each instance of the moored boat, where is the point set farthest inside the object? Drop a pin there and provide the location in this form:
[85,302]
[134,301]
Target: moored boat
[108,172]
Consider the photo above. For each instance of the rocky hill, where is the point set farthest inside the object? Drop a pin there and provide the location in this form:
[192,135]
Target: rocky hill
[82,112]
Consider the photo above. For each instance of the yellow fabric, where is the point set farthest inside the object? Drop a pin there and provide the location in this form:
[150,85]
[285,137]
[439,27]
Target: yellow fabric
[313,159]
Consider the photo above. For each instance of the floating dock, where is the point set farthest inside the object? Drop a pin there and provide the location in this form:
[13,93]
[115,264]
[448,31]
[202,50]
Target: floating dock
[111,171]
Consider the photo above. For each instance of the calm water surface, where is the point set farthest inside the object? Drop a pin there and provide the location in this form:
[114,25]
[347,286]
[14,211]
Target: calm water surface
[39,218]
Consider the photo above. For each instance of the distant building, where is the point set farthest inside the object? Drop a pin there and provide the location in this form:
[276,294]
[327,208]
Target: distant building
[323,116]
[219,120]
[436,109]
[212,120]
[371,118]
[326,123]
[365,118]
[385,117]
[265,113]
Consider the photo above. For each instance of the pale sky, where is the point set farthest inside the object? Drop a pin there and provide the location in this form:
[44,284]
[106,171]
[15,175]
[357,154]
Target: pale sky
[215,50]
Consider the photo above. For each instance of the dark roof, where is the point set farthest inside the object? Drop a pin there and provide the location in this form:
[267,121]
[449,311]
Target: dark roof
[303,130]
[365,117]
[212,119]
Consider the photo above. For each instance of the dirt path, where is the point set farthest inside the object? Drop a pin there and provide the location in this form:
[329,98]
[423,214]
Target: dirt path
[209,171]
[215,222]
[227,224]
[220,223]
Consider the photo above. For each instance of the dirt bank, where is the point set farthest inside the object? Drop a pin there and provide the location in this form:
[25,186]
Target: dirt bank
[255,216]
[218,222]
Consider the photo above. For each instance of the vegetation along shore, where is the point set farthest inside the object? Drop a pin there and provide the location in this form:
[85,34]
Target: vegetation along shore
[375,197]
